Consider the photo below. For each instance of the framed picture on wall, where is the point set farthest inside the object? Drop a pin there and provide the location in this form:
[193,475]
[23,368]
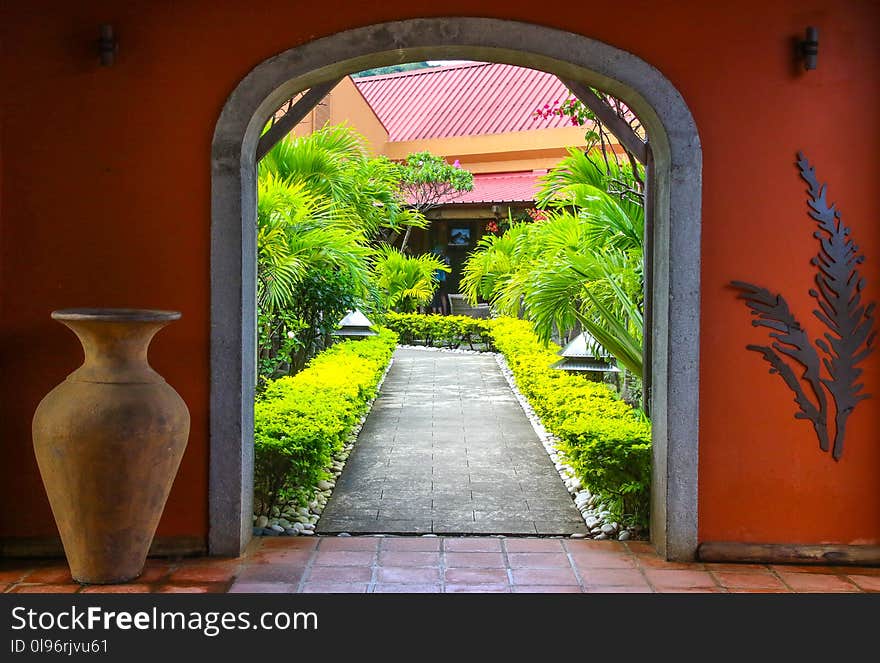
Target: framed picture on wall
[460,236]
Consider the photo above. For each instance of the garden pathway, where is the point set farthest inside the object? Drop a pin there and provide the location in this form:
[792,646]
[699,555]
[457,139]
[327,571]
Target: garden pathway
[447,449]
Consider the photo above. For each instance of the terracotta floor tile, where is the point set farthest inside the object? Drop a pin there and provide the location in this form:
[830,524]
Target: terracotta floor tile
[641,547]
[538,560]
[288,542]
[280,556]
[477,576]
[472,544]
[406,558]
[868,583]
[401,574]
[44,589]
[477,589]
[546,589]
[588,545]
[587,560]
[612,577]
[736,568]
[655,562]
[677,579]
[136,588]
[287,573]
[337,574]
[691,590]
[544,577]
[12,575]
[483,560]
[534,545]
[350,543]
[738,590]
[188,589]
[805,568]
[411,544]
[335,587]
[154,571]
[748,580]
[393,588]
[204,572]
[817,582]
[857,570]
[4,587]
[50,575]
[619,589]
[344,558]
[262,588]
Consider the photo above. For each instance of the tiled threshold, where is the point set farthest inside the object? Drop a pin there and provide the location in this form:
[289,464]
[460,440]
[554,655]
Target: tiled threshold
[374,564]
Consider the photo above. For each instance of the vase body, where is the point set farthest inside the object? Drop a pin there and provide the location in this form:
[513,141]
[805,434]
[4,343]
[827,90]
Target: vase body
[108,442]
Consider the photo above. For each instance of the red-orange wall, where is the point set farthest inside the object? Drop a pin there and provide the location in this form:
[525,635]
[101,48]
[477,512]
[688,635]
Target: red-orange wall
[105,181]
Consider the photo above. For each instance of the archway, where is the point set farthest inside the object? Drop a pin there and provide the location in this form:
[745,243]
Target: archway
[675,207]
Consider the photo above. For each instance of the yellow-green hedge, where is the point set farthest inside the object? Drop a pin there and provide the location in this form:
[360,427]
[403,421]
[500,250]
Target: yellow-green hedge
[301,421]
[446,331]
[607,442]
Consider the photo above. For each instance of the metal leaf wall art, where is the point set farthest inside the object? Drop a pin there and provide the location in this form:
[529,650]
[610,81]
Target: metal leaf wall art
[831,367]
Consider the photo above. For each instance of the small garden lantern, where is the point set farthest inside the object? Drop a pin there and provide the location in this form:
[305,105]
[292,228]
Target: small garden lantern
[584,355]
[355,325]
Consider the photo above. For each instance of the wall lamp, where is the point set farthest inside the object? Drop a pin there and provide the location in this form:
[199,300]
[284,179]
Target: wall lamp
[808,49]
[108,46]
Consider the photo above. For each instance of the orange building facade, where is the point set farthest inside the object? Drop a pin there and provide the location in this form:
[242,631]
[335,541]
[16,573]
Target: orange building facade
[106,200]
[478,115]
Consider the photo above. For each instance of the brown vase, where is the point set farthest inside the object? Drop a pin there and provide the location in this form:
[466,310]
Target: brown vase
[108,442]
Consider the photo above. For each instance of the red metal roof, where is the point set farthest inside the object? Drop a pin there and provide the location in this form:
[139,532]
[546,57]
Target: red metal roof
[462,100]
[499,188]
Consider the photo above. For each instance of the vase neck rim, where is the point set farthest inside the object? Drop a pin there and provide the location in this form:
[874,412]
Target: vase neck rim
[115,315]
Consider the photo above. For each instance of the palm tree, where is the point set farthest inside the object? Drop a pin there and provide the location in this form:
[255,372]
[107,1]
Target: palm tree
[298,231]
[581,267]
[406,282]
[303,241]
[334,163]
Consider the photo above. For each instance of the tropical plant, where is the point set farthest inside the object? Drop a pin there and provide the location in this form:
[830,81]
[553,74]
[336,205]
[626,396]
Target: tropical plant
[446,331]
[405,282]
[334,163]
[579,267]
[313,247]
[298,230]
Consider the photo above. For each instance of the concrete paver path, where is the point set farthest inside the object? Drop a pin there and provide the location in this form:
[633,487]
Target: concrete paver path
[447,449]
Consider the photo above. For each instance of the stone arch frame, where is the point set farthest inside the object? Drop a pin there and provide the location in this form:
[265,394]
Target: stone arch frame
[676,208]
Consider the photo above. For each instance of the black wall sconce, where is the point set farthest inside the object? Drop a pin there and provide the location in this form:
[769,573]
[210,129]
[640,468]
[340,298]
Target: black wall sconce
[808,49]
[108,47]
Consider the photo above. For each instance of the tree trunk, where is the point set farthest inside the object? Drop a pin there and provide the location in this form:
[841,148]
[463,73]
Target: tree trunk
[405,239]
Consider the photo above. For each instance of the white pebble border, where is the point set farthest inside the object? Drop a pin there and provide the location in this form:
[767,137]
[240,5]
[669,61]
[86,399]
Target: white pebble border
[458,351]
[295,520]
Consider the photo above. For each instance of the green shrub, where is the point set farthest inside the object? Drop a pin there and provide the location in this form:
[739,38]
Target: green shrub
[445,331]
[606,441]
[301,421]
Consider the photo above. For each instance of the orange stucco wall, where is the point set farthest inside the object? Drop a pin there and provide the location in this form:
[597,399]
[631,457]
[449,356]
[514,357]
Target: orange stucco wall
[105,180]
[344,104]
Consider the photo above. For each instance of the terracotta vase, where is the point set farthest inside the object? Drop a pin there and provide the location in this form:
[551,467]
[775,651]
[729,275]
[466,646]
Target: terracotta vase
[108,442]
